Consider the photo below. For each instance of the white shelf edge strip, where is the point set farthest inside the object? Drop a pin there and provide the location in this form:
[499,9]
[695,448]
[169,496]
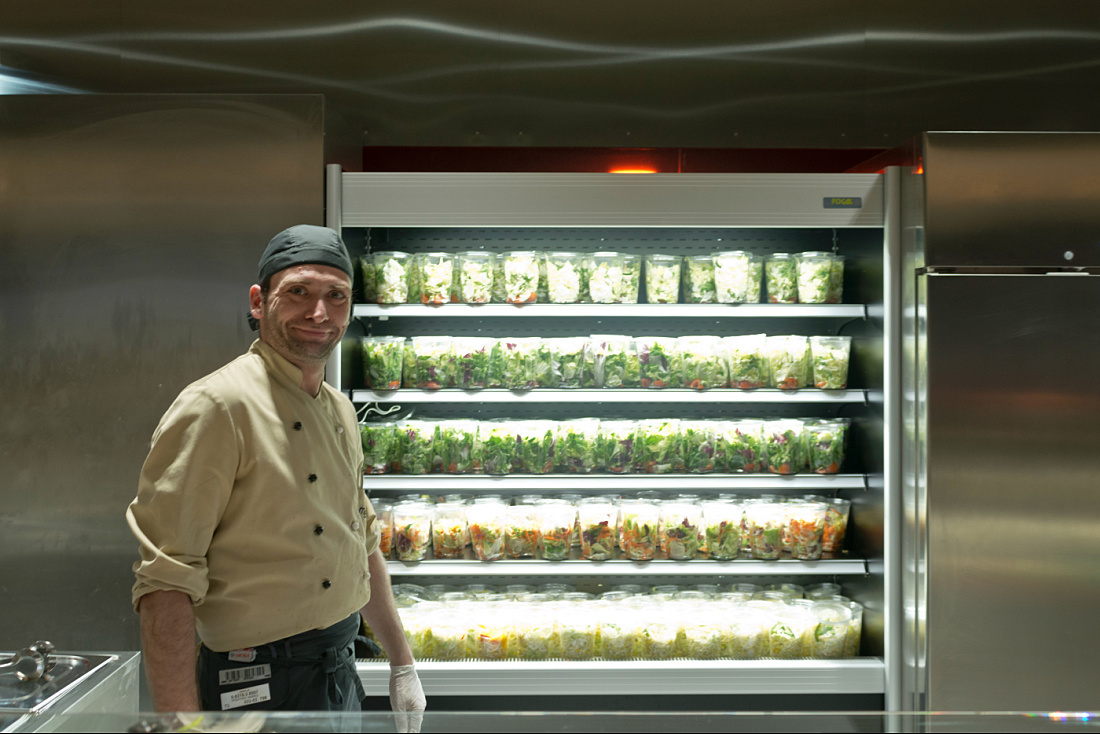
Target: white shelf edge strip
[613,310]
[668,395]
[697,567]
[611,482]
[638,677]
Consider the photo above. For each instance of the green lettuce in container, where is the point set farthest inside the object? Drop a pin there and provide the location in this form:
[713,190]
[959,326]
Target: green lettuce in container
[737,277]
[369,277]
[433,362]
[437,278]
[605,276]
[471,361]
[830,355]
[408,365]
[699,279]
[577,448]
[380,442]
[382,361]
[836,281]
[784,446]
[609,357]
[781,274]
[747,357]
[500,292]
[521,276]
[415,278]
[703,362]
[660,446]
[825,441]
[566,360]
[564,278]
[520,362]
[697,445]
[659,361]
[815,271]
[458,439]
[475,277]
[662,278]
[789,361]
[632,277]
[417,446]
[391,277]
[617,445]
[544,365]
[498,446]
[496,364]
[722,520]
[740,446]
[680,529]
[535,441]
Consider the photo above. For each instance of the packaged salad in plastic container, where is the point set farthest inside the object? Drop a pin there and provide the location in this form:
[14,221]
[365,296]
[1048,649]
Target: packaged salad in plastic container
[433,365]
[619,632]
[704,633]
[597,517]
[855,630]
[449,534]
[470,361]
[556,520]
[521,276]
[458,446]
[722,520]
[747,357]
[611,356]
[789,361]
[544,365]
[578,628]
[784,446]
[662,278]
[659,361]
[836,525]
[806,529]
[416,447]
[564,277]
[486,520]
[830,355]
[791,632]
[437,277]
[764,526]
[698,274]
[521,534]
[781,276]
[605,277]
[536,629]
[831,631]
[497,439]
[661,630]
[697,445]
[681,528]
[639,522]
[703,362]
[660,446]
[450,631]
[475,277]
[408,365]
[414,280]
[519,362]
[412,530]
[543,290]
[740,446]
[500,292]
[836,281]
[748,634]
[535,443]
[384,511]
[736,277]
[566,360]
[825,440]
[492,627]
[380,446]
[368,278]
[382,361]
[632,277]
[392,276]
[576,450]
[618,445]
[815,271]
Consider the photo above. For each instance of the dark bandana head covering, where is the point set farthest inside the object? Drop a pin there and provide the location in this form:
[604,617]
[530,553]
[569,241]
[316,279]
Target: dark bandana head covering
[302,244]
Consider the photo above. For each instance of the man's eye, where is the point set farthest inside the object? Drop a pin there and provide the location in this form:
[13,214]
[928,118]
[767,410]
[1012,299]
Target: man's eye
[338,295]
[296,290]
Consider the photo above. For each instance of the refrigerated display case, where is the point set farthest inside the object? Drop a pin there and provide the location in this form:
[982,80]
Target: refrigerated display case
[684,215]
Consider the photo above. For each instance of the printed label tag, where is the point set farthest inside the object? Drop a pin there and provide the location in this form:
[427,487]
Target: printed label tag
[243,675]
[247,655]
[246,697]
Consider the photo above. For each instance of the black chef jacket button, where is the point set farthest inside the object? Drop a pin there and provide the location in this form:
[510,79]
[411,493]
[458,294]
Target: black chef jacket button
[326,583]
[362,512]
[318,530]
[313,477]
[298,425]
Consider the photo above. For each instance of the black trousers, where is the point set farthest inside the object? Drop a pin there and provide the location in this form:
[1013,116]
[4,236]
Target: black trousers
[311,671]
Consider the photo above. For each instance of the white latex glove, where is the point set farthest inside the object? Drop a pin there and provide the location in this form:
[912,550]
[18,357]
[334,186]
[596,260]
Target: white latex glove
[407,698]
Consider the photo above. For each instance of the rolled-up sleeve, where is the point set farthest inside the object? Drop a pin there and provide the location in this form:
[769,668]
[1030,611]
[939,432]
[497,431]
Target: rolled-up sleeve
[183,491]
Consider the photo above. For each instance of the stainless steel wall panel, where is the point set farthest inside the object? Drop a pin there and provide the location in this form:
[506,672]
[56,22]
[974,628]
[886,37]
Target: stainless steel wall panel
[130,227]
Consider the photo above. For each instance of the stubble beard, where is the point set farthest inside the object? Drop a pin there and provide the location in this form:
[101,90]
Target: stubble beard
[300,352]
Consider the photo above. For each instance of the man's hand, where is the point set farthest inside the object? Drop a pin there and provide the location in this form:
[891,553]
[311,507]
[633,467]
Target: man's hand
[406,698]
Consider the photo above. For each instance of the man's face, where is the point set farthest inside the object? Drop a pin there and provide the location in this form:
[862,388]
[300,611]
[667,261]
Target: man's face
[307,310]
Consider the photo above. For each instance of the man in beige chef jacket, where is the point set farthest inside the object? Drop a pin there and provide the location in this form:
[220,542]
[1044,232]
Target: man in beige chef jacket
[253,525]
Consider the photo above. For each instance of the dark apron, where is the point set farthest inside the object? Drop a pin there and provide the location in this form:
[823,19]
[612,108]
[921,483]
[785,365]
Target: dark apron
[311,671]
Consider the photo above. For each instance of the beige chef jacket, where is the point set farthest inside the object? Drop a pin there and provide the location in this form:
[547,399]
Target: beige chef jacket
[251,502]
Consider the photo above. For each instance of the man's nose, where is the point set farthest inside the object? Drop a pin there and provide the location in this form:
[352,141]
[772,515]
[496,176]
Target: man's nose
[318,312]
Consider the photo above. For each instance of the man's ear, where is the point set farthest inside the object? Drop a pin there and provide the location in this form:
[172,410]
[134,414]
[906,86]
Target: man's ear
[256,301]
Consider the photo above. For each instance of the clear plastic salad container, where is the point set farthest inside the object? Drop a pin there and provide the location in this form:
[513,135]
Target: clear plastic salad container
[618,445]
[781,276]
[815,271]
[544,365]
[620,629]
[578,628]
[791,633]
[382,361]
[659,361]
[500,292]
[380,446]
[632,276]
[392,276]
[748,634]
[836,525]
[417,446]
[638,529]
[597,517]
[698,274]
[836,281]
[705,633]
[806,526]
[521,534]
[830,356]
[613,360]
[486,520]
[784,446]
[660,446]
[414,280]
[475,277]
[543,289]
[536,631]
[820,592]
[437,277]
[518,358]
[535,445]
[604,272]
[855,630]
[789,361]
[458,442]
[722,520]
[681,529]
[747,358]
[521,276]
[566,360]
[764,527]
[497,439]
[384,511]
[831,631]
[408,365]
[703,362]
[737,277]
[449,535]
[826,441]
[434,364]
[368,278]
[450,631]
[576,450]
[661,630]
[564,277]
[412,530]
[470,365]
[556,521]
[698,440]
[662,278]
[491,629]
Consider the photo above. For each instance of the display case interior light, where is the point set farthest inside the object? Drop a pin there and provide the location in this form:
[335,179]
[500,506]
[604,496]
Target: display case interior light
[632,169]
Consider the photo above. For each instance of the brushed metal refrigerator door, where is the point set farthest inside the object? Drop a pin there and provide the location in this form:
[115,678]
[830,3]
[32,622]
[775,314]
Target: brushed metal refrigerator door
[1013,482]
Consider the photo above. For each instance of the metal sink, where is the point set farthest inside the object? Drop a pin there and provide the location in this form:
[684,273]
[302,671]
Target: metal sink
[62,673]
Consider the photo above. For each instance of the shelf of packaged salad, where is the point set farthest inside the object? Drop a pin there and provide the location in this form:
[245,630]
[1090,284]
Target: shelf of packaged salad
[614,395]
[610,483]
[637,677]
[698,567]
[613,310]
